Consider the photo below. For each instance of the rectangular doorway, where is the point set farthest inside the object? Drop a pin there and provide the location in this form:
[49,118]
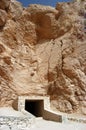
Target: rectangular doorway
[35,107]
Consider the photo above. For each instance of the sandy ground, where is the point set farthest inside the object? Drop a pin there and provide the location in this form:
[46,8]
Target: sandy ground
[48,125]
[39,123]
[8,111]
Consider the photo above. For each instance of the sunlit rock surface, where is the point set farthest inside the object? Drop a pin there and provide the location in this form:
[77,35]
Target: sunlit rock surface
[43,52]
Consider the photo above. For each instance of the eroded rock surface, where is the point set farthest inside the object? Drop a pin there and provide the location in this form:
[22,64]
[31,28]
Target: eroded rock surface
[43,52]
[4,4]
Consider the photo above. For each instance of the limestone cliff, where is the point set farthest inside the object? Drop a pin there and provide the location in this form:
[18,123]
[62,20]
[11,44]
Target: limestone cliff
[43,52]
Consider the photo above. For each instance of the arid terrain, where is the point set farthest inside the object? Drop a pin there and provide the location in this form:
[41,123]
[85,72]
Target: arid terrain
[43,52]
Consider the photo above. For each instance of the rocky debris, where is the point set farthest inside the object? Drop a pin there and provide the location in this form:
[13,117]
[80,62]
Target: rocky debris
[15,122]
[43,52]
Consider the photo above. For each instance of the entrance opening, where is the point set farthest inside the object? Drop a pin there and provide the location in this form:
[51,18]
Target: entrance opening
[35,107]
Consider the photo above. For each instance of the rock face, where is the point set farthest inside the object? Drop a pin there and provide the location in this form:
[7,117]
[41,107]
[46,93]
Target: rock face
[43,52]
[4,4]
[2,18]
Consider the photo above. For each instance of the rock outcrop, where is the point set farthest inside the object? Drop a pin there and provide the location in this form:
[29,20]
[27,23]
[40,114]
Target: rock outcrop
[3,17]
[4,4]
[43,52]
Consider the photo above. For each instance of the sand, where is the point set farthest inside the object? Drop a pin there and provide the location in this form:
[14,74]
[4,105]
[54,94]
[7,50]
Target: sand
[39,123]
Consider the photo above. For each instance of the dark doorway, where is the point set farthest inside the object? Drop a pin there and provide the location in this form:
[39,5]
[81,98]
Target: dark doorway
[35,107]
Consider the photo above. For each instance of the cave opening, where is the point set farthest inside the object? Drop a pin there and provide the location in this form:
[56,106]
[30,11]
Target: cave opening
[35,107]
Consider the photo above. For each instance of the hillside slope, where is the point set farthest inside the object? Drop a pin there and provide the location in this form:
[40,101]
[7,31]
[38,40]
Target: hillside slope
[43,52]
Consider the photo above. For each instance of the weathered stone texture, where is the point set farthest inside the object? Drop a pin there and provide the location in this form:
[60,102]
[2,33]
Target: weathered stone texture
[4,4]
[3,17]
[43,52]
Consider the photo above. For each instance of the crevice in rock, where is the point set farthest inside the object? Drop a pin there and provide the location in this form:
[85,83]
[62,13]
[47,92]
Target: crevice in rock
[62,57]
[52,42]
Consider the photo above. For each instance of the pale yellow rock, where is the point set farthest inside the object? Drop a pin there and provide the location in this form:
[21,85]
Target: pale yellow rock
[43,52]
[16,9]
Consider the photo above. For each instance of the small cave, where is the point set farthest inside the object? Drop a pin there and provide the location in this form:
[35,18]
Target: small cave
[35,107]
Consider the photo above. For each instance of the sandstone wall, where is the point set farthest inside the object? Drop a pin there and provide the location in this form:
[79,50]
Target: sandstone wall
[43,52]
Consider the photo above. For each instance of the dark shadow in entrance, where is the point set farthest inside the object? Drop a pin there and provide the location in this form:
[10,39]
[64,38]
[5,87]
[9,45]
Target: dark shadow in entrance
[35,107]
